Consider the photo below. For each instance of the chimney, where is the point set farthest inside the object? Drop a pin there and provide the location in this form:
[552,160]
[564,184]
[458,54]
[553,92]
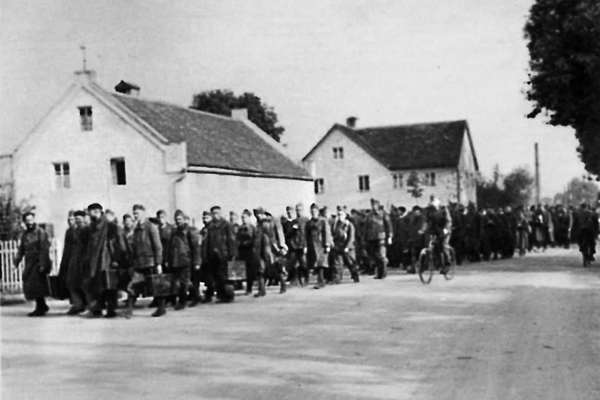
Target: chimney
[239,113]
[351,122]
[127,88]
[85,76]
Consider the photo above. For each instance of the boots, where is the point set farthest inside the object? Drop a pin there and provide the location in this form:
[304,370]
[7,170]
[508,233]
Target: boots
[182,301]
[41,308]
[282,286]
[249,284]
[355,277]
[160,308]
[320,278]
[261,287]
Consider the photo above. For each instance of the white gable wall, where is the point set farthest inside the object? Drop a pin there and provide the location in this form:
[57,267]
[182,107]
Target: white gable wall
[60,139]
[341,178]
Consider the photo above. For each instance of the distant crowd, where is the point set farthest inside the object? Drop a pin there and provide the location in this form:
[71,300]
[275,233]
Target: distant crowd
[173,260]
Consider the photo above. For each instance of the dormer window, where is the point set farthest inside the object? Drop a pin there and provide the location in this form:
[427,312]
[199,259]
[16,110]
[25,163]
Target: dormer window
[85,116]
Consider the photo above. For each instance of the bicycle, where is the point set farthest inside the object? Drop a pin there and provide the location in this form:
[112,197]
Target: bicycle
[432,258]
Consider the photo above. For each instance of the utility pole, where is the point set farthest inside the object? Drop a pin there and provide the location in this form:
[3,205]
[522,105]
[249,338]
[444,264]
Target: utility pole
[537,174]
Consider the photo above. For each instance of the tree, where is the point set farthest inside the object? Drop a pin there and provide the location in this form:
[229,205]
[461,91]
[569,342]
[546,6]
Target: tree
[518,185]
[414,185]
[578,191]
[515,190]
[223,101]
[564,80]
[11,212]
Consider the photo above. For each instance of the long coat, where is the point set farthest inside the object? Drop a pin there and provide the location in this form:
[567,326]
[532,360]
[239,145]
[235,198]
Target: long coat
[164,232]
[104,248]
[184,247]
[35,247]
[146,249]
[318,239]
[219,241]
[71,265]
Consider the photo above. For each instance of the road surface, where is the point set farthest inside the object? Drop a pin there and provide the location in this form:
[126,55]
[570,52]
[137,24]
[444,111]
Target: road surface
[518,329]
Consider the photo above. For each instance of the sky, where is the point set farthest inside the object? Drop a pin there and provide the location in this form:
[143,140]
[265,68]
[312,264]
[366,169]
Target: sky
[387,62]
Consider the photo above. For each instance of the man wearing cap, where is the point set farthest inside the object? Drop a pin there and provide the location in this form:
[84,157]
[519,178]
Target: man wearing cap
[199,272]
[296,242]
[378,235]
[34,246]
[343,247]
[147,258]
[104,253]
[184,255]
[218,249]
[318,243]
[269,245]
[165,230]
[71,264]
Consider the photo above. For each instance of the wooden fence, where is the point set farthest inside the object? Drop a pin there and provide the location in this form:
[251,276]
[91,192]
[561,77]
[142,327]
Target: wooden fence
[11,277]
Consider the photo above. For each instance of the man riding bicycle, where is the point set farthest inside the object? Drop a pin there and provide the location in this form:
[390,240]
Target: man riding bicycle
[439,226]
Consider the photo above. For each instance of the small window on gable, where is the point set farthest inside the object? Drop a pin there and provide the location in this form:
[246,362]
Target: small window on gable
[62,175]
[398,181]
[117,169]
[319,185]
[338,152]
[363,183]
[85,117]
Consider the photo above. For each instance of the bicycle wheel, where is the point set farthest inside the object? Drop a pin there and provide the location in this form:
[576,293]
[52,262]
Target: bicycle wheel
[450,269]
[425,267]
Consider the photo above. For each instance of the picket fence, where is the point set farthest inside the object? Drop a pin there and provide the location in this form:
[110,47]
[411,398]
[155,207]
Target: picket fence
[11,282]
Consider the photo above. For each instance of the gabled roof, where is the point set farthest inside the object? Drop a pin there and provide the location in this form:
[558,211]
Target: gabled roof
[213,140]
[414,146]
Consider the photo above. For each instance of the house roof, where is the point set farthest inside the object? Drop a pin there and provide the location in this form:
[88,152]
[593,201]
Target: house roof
[213,140]
[414,146]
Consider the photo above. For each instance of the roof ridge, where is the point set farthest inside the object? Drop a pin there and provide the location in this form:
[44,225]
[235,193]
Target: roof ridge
[406,125]
[166,103]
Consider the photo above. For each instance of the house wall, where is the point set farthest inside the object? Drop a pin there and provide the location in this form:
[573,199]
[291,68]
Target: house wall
[468,174]
[60,139]
[199,191]
[341,178]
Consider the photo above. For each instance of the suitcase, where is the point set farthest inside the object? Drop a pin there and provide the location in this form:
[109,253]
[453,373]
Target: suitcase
[236,270]
[57,288]
[161,285]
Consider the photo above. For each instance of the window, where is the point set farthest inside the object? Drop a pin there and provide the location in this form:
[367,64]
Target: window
[430,178]
[85,116]
[62,175]
[398,181]
[319,186]
[117,169]
[338,152]
[363,183]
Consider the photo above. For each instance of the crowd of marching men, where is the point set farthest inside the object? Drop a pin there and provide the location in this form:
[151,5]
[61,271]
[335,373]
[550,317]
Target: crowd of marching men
[143,256]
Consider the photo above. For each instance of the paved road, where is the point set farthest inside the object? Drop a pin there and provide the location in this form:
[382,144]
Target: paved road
[519,329]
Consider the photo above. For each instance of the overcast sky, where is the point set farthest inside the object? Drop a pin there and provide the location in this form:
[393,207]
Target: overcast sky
[315,62]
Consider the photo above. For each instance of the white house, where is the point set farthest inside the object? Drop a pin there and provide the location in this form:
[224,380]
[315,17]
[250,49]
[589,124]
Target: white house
[118,149]
[351,165]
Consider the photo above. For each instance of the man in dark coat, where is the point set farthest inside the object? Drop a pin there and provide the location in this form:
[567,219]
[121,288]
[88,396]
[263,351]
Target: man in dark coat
[218,249]
[246,242]
[199,271]
[585,230]
[344,254]
[165,230]
[34,246]
[472,223]
[147,258]
[104,252]
[401,233]
[184,255]
[295,236]
[378,235]
[71,264]
[318,244]
[416,235]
